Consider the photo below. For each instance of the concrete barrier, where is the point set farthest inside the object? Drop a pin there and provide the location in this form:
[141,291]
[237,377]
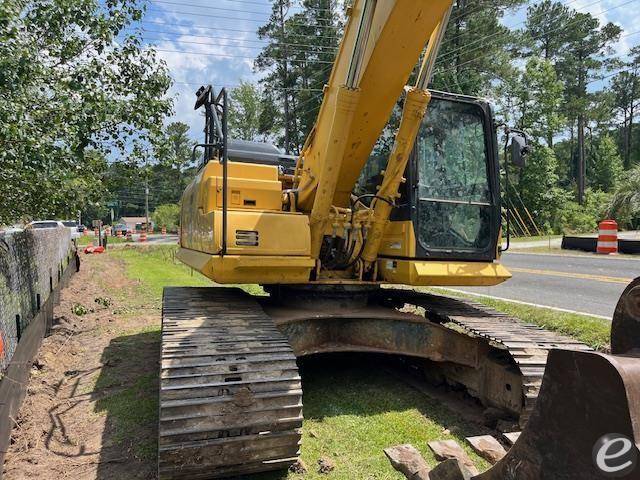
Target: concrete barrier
[34,267]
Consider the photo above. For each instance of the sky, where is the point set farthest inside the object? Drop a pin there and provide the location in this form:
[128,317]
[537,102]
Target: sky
[204,43]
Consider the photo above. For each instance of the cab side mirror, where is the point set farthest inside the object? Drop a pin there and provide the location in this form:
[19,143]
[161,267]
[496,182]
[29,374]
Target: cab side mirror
[519,150]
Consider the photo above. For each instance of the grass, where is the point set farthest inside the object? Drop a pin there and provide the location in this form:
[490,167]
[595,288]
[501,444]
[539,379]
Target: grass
[534,238]
[352,412]
[592,331]
[88,240]
[157,267]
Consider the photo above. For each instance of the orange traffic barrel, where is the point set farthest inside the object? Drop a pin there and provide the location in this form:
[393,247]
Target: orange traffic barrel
[143,236]
[608,237]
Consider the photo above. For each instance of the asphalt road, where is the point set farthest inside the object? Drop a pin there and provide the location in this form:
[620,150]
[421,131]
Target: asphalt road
[586,284]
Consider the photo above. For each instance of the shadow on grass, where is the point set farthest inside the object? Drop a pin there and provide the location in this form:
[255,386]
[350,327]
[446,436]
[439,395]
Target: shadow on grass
[126,392]
[344,385]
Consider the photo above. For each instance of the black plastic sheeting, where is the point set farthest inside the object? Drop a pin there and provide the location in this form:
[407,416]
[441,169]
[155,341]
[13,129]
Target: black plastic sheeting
[590,244]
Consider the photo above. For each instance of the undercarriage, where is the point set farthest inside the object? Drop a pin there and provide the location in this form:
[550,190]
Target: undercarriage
[231,395]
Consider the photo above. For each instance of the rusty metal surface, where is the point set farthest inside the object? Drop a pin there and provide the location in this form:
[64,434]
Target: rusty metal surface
[230,392]
[584,396]
[625,329]
[528,345]
[461,359]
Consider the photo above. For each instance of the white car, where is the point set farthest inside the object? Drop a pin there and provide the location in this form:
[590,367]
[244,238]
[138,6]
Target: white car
[55,224]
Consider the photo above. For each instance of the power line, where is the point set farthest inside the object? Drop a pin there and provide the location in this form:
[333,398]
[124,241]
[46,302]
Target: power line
[232,87]
[296,49]
[509,28]
[243,56]
[456,67]
[263,42]
[209,28]
[182,4]
[221,17]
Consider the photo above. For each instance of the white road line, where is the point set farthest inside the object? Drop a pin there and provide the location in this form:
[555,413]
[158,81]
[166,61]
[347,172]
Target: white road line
[564,310]
[586,256]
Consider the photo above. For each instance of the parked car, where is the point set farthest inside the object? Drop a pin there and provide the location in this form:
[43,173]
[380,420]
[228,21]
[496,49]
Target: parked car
[120,227]
[72,225]
[39,224]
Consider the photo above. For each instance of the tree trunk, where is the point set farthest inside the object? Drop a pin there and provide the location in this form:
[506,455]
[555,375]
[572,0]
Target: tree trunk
[581,160]
[628,143]
[285,79]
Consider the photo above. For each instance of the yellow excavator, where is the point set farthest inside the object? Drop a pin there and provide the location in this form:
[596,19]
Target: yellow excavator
[336,236]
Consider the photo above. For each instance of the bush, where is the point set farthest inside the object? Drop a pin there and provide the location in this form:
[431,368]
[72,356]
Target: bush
[624,206]
[576,218]
[167,215]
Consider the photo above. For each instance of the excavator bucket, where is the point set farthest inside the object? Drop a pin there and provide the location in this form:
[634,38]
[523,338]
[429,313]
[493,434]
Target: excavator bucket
[586,423]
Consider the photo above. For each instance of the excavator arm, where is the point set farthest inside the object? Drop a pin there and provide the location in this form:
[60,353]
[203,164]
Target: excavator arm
[382,43]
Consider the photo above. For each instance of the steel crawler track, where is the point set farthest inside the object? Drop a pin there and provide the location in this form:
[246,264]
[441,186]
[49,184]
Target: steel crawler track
[230,392]
[528,345]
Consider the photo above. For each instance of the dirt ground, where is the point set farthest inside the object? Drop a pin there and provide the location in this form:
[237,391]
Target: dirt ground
[82,393]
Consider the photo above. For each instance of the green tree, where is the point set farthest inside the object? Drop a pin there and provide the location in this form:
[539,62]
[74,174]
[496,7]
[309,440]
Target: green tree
[244,112]
[626,87]
[297,61]
[475,51]
[582,58]
[540,95]
[538,186]
[625,204]
[69,88]
[604,167]
[167,215]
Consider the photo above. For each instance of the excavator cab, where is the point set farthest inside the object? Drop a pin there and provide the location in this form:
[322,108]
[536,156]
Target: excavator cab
[449,207]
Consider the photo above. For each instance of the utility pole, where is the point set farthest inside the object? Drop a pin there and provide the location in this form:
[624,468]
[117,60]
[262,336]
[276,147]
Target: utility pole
[146,202]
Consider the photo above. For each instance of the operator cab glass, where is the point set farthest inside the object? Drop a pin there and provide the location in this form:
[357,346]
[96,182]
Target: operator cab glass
[453,192]
[452,189]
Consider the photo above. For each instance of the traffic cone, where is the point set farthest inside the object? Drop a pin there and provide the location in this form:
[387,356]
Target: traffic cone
[607,237]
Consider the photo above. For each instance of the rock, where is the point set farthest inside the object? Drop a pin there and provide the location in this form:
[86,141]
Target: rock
[487,447]
[447,449]
[298,467]
[451,469]
[512,437]
[407,460]
[325,465]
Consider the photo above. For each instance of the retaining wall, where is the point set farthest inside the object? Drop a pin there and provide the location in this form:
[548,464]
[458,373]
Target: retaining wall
[31,267]
[34,266]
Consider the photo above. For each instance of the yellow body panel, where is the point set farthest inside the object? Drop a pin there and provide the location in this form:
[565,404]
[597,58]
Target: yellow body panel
[449,274]
[248,269]
[278,234]
[399,240]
